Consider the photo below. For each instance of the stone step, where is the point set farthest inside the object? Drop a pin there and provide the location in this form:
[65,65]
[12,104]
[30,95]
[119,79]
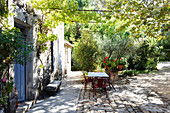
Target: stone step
[24,106]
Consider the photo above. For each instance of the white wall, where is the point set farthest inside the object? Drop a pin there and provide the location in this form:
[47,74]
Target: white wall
[69,61]
[59,49]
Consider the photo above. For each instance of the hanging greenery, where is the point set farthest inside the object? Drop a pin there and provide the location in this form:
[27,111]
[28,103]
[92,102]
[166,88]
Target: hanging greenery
[13,48]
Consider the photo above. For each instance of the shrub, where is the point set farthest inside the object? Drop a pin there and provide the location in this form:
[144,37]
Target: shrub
[85,52]
[146,57]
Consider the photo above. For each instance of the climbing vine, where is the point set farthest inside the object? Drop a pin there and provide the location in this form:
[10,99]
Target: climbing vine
[13,49]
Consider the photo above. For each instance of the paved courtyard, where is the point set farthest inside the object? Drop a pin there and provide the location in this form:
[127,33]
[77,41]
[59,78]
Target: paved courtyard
[65,99]
[147,93]
[139,94]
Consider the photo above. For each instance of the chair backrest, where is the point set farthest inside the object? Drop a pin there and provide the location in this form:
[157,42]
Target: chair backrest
[112,76]
[85,77]
[99,82]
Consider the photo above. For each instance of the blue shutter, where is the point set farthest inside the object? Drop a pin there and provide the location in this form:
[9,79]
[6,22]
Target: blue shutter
[20,81]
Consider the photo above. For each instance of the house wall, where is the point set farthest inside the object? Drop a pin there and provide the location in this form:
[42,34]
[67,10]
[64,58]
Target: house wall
[60,52]
[34,74]
[69,62]
[68,47]
[22,17]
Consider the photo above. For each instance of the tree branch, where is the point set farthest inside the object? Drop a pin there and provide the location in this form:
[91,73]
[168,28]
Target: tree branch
[80,10]
[96,10]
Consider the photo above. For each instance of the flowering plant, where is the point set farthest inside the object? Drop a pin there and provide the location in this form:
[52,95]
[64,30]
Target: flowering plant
[121,62]
[109,64]
[6,87]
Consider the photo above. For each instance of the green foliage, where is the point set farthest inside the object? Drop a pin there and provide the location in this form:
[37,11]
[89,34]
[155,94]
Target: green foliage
[121,61]
[150,16]
[86,51]
[64,11]
[134,72]
[141,18]
[7,87]
[166,48]
[146,57]
[43,39]
[44,35]
[75,66]
[13,49]
[118,45]
[3,9]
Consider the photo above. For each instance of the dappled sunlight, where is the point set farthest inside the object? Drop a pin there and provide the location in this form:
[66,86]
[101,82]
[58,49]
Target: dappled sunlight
[143,93]
[65,99]
[137,96]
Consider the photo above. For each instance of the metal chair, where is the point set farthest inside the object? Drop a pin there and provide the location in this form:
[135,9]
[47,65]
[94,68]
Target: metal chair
[99,83]
[86,81]
[111,79]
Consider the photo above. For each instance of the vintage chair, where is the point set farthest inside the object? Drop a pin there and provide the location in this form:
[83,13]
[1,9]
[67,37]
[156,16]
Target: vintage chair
[111,79]
[99,83]
[86,81]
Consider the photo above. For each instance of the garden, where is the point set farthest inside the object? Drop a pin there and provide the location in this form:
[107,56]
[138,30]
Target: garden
[140,55]
[138,42]
[105,35]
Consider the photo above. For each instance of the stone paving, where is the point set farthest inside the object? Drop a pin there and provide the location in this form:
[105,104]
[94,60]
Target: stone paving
[147,93]
[65,99]
[139,94]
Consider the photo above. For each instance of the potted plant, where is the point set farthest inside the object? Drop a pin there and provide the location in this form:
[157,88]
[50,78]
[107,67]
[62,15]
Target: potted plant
[120,63]
[111,67]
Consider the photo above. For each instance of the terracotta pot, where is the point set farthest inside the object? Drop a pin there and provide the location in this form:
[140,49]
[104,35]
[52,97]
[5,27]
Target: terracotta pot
[120,67]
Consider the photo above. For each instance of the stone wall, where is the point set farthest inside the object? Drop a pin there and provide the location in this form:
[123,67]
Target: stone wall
[52,59]
[36,77]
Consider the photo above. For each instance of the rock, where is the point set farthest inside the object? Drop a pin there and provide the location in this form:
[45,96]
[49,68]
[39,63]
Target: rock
[53,87]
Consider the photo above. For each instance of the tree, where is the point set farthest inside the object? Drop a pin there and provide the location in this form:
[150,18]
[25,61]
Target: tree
[86,51]
[119,45]
[166,47]
[146,55]
[64,11]
[150,15]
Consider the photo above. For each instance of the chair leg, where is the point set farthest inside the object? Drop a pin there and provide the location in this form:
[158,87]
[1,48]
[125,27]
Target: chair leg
[106,92]
[92,85]
[109,86]
[113,86]
[94,92]
[85,86]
